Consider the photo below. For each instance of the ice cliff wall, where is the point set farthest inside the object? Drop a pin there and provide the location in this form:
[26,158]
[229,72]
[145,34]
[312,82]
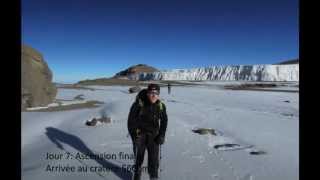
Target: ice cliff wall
[224,73]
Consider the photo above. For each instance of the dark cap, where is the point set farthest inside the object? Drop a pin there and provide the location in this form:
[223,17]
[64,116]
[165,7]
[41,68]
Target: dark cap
[152,87]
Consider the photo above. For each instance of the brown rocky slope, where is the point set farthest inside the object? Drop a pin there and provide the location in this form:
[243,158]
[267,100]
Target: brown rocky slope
[37,88]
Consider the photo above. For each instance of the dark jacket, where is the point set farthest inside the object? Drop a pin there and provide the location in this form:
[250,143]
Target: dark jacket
[147,117]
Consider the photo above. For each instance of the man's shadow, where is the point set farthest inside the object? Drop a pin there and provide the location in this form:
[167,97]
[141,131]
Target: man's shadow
[57,136]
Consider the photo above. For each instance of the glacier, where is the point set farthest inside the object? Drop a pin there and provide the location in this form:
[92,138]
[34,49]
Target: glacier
[225,73]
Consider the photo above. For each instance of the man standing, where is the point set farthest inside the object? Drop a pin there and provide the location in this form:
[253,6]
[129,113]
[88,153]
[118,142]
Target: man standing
[169,88]
[147,124]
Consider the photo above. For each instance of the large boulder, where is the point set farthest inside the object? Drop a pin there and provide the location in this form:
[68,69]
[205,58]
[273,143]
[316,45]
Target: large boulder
[37,88]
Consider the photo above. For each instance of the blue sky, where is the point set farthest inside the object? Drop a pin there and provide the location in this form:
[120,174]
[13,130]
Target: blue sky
[83,39]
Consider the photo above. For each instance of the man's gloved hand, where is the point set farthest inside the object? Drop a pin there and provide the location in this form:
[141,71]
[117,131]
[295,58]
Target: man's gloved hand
[159,139]
[136,134]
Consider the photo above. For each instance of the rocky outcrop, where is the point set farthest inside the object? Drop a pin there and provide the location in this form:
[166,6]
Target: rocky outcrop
[37,88]
[140,68]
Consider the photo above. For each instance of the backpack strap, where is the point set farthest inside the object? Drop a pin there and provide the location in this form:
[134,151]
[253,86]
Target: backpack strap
[140,102]
[161,106]
[141,105]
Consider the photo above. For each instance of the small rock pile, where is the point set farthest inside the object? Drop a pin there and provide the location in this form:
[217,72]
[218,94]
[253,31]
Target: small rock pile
[94,121]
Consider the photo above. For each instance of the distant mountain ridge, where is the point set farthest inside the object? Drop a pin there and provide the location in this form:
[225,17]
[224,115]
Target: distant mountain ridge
[293,61]
[122,77]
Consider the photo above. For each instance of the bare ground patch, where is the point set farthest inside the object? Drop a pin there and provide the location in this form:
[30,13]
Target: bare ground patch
[128,82]
[109,82]
[74,86]
[87,104]
[258,87]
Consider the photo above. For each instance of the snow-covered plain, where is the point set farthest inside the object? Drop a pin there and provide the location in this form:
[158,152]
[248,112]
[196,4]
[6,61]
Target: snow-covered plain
[254,120]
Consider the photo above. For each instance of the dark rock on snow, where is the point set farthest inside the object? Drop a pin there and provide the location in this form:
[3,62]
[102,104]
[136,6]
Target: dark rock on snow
[94,121]
[134,89]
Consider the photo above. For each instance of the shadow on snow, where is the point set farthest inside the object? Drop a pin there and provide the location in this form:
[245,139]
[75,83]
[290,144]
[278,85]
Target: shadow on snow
[57,137]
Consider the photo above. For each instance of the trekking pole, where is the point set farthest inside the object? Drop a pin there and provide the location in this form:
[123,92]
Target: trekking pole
[160,162]
[135,158]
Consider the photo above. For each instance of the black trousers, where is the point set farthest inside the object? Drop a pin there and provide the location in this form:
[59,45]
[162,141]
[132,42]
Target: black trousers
[140,145]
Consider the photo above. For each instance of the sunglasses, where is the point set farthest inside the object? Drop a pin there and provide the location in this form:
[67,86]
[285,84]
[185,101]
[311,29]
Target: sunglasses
[153,93]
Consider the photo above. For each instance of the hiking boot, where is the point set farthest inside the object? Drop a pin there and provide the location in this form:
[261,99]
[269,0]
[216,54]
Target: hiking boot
[137,176]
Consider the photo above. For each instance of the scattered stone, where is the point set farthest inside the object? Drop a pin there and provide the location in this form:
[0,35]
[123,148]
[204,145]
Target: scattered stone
[105,120]
[258,152]
[203,131]
[226,146]
[134,89]
[93,122]
[79,97]
[287,114]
